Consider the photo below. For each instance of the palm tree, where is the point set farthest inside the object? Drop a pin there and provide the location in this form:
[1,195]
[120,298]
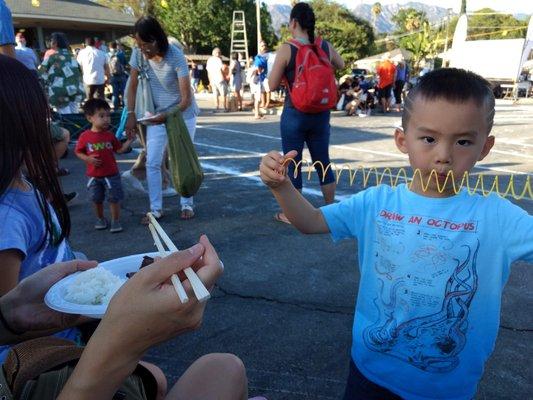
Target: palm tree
[376,11]
[463,7]
[414,20]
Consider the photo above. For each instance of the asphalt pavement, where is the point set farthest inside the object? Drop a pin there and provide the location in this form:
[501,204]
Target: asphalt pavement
[285,303]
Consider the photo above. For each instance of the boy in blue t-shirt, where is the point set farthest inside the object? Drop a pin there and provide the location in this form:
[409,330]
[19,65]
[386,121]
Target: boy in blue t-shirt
[433,263]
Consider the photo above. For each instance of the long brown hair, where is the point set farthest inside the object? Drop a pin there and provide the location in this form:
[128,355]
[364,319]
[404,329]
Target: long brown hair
[25,141]
[303,13]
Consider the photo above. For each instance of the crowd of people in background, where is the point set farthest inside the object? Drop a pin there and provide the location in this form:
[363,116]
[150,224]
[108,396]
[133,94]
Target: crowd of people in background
[72,75]
[362,95]
[100,70]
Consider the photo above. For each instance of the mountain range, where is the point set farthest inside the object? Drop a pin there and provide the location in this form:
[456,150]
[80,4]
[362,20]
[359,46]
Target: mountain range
[384,22]
[280,14]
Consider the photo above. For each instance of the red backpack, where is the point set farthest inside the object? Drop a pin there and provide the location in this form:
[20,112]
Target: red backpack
[314,89]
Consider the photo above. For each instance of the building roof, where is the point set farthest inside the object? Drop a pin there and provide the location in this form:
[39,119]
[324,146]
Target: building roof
[83,11]
[394,54]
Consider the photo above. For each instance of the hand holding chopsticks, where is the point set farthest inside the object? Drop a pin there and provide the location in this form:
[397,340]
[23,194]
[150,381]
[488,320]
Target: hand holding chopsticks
[201,293]
[174,278]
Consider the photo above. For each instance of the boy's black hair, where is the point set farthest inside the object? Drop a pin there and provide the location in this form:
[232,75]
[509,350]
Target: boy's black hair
[454,85]
[150,30]
[91,106]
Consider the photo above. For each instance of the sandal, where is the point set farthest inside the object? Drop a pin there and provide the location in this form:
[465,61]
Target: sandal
[280,217]
[187,212]
[146,221]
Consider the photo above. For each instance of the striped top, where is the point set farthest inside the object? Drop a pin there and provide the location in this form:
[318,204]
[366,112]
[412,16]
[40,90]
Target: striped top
[163,77]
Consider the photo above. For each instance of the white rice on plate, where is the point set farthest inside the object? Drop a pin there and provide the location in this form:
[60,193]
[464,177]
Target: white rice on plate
[94,286]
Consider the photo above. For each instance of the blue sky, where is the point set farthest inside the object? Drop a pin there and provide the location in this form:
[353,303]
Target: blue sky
[511,6]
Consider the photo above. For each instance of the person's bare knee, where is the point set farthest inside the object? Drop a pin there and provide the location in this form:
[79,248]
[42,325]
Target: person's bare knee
[66,135]
[213,376]
[234,367]
[59,149]
[160,378]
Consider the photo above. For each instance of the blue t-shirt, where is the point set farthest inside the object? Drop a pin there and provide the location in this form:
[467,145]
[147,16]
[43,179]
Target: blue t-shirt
[401,73]
[432,274]
[260,61]
[163,77]
[7,33]
[27,57]
[23,229]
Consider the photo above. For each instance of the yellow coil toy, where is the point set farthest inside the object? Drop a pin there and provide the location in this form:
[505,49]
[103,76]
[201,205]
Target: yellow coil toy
[401,176]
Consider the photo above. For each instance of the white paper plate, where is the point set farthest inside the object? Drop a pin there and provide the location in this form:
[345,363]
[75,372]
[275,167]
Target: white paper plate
[55,298]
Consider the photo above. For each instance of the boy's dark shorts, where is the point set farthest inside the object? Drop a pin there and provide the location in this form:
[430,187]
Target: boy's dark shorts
[384,93]
[97,188]
[358,387]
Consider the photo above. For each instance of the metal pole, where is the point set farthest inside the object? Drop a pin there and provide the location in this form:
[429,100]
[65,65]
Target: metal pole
[258,17]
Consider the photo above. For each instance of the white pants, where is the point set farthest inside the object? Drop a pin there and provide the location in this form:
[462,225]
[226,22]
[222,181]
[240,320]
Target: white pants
[156,142]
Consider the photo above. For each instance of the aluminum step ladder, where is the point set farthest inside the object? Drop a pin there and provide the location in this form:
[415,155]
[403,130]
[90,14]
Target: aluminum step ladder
[239,39]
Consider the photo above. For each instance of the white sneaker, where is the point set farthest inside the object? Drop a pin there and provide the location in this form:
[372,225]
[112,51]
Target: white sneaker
[157,214]
[169,192]
[132,181]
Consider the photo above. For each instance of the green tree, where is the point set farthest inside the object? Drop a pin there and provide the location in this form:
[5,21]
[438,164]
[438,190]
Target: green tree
[351,36]
[203,24]
[463,7]
[485,24]
[133,7]
[426,43]
[409,20]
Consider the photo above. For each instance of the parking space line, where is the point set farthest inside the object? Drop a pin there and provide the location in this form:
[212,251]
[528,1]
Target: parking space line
[254,176]
[383,153]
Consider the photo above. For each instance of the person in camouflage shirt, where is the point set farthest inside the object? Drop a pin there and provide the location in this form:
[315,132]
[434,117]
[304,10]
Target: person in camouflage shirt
[61,75]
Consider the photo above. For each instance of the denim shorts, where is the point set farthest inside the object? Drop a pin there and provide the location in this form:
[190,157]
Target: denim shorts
[385,93]
[358,387]
[97,189]
[298,128]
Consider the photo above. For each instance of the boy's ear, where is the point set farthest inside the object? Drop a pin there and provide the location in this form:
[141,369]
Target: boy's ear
[400,140]
[489,143]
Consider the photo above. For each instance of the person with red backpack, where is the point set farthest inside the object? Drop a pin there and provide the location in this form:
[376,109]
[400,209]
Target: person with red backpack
[307,65]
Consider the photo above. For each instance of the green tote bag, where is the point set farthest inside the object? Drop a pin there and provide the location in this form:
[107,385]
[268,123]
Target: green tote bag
[185,169]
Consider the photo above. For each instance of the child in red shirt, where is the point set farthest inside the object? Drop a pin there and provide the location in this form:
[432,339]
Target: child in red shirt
[97,147]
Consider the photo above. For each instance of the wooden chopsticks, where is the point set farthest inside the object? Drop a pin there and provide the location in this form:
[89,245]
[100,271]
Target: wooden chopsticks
[201,293]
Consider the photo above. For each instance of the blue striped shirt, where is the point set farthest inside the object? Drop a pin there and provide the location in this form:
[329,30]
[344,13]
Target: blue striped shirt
[163,77]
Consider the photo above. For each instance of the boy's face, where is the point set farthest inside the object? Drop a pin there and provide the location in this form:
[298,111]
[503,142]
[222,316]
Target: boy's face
[100,120]
[444,136]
